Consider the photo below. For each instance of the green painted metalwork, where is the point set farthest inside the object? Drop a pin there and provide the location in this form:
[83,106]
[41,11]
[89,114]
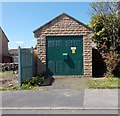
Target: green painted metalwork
[64,55]
[25,65]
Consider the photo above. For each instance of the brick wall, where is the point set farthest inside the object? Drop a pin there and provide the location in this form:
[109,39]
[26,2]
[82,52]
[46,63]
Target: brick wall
[64,26]
[4,47]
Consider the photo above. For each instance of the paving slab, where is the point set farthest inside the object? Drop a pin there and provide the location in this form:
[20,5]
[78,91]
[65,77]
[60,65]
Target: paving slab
[101,99]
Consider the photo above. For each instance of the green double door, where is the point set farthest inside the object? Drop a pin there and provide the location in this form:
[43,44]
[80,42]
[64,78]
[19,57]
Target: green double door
[64,55]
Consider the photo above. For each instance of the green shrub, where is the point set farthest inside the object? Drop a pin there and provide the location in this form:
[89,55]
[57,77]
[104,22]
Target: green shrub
[111,60]
[33,83]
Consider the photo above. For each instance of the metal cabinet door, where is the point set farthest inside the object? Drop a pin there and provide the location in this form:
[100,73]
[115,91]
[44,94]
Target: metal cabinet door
[64,55]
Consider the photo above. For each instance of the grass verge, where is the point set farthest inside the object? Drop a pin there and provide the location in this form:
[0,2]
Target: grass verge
[104,83]
[2,74]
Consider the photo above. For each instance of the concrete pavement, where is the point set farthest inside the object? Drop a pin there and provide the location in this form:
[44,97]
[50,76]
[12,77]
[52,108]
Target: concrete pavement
[60,99]
[101,99]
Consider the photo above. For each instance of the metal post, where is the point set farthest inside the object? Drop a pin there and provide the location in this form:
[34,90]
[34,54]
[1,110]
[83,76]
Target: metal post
[19,67]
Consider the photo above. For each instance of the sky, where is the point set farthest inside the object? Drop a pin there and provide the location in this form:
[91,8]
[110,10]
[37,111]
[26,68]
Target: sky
[20,19]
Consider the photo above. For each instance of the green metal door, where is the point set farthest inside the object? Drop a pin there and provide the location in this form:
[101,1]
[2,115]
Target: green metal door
[64,55]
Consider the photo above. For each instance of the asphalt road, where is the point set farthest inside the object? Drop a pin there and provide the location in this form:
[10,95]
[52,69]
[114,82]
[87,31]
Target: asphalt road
[43,99]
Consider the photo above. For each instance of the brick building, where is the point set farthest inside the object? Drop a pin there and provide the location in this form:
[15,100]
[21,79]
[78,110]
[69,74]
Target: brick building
[4,56]
[14,54]
[64,47]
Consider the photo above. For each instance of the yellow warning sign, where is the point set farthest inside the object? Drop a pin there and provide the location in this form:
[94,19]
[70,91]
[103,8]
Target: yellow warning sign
[73,51]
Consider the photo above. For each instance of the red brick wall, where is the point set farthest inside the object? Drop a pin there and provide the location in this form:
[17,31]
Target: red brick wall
[5,59]
[4,45]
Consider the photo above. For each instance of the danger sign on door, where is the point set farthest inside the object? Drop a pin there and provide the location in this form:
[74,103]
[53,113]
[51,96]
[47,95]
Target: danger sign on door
[73,50]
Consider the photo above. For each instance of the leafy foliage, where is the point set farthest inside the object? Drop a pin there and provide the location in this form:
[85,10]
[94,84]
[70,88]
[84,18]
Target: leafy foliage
[32,83]
[111,60]
[105,21]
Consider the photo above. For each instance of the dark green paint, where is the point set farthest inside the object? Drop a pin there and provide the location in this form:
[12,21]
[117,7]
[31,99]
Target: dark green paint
[59,57]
